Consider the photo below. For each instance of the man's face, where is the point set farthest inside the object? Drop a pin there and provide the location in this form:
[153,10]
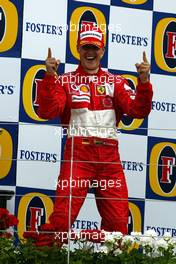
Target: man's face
[90,57]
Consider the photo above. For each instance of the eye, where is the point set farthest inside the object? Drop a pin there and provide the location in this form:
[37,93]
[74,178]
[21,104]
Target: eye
[90,47]
[86,47]
[96,48]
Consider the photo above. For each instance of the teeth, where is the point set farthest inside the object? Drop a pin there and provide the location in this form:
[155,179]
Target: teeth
[90,58]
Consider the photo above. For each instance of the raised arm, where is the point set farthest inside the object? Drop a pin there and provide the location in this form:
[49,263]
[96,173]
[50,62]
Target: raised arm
[51,94]
[136,104]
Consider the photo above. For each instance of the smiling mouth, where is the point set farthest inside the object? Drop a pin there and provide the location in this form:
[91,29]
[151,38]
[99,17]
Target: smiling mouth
[90,58]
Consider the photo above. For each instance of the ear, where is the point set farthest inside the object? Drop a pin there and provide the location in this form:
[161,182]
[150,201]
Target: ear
[103,51]
[78,49]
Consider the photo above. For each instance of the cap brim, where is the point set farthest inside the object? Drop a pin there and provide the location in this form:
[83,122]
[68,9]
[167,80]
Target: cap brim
[88,42]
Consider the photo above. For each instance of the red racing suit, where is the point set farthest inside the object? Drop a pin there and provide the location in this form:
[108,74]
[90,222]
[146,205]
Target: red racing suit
[92,105]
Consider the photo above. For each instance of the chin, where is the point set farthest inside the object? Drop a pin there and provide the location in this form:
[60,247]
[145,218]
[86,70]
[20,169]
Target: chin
[92,67]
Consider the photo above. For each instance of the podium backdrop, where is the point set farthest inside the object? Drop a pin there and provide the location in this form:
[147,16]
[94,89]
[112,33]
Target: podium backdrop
[30,147]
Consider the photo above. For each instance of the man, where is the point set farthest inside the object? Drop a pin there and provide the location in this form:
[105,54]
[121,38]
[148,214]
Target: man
[90,99]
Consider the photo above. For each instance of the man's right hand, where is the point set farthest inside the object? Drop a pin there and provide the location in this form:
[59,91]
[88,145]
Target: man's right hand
[51,64]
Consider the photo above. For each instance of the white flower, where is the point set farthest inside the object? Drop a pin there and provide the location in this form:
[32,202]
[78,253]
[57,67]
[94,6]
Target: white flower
[109,237]
[167,235]
[117,235]
[17,252]
[137,235]
[127,240]
[112,236]
[161,244]
[104,249]
[171,241]
[117,252]
[106,233]
[150,233]
[147,241]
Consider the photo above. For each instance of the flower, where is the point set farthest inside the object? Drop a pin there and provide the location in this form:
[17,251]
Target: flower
[161,244]
[109,237]
[150,233]
[3,212]
[45,237]
[47,227]
[104,249]
[117,252]
[30,235]
[167,235]
[136,235]
[147,241]
[6,220]
[12,220]
[127,240]
[148,248]
[117,235]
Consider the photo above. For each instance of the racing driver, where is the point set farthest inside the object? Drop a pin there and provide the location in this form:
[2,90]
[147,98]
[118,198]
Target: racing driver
[92,101]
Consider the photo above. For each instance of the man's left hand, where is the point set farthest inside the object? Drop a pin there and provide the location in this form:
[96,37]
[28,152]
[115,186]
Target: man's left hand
[143,69]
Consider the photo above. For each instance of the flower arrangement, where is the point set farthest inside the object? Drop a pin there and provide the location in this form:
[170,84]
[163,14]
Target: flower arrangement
[91,246]
[149,244]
